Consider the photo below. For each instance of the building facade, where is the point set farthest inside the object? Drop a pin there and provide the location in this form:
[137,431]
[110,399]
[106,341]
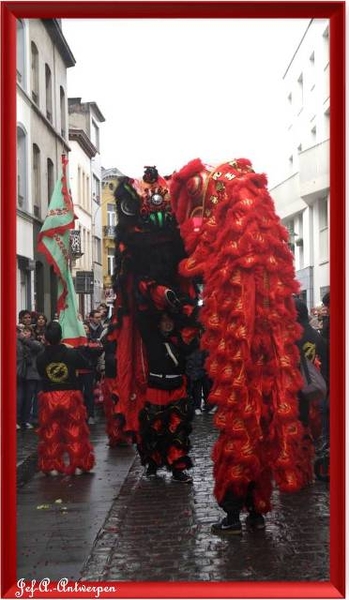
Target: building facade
[302,197]
[82,152]
[109,183]
[43,57]
[86,117]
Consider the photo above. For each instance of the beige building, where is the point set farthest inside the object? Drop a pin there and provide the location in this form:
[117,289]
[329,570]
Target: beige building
[109,184]
[43,57]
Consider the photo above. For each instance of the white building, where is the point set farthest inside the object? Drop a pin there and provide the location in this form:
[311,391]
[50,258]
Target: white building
[43,57]
[302,197]
[86,117]
[82,152]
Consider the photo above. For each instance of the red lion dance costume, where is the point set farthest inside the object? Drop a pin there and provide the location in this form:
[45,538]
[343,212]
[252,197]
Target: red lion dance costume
[239,249]
[63,429]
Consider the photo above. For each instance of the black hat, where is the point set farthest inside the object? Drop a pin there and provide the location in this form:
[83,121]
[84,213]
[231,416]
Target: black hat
[326,299]
[302,311]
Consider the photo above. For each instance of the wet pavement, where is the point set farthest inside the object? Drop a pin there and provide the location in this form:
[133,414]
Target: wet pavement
[58,518]
[116,525]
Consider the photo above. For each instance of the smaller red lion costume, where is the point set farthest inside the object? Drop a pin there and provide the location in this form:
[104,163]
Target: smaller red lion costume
[63,431]
[238,248]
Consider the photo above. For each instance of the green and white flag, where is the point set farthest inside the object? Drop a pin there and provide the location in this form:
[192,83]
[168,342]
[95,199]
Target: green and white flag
[54,243]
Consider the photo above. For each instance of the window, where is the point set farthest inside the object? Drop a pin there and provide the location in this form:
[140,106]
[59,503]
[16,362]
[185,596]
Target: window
[312,71]
[34,73]
[95,134]
[327,123]
[21,53]
[111,215]
[36,181]
[22,200]
[24,285]
[62,111]
[300,91]
[88,194]
[325,37]
[50,179]
[48,90]
[83,246]
[290,228]
[79,185]
[323,230]
[88,247]
[83,189]
[98,250]
[96,189]
[111,261]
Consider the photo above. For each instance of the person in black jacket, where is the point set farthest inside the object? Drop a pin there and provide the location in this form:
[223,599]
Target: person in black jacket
[91,350]
[325,317]
[62,415]
[199,382]
[315,348]
[165,420]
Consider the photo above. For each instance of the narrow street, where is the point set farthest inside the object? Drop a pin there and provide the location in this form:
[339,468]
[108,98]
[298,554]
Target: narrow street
[116,525]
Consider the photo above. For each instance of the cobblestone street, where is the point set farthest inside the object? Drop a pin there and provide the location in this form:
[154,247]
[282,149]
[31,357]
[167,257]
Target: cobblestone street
[159,530]
[116,525]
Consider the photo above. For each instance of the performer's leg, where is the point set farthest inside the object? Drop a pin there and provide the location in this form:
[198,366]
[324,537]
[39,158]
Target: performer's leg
[114,426]
[197,395]
[87,380]
[150,430]
[50,448]
[20,401]
[29,389]
[76,435]
[232,506]
[164,437]
[178,442]
[255,519]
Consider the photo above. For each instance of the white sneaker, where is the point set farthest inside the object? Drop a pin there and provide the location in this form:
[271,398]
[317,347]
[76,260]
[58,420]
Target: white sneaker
[91,421]
[18,426]
[79,471]
[53,473]
[29,426]
[198,411]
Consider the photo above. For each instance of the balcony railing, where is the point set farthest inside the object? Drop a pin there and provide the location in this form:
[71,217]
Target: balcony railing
[109,231]
[75,244]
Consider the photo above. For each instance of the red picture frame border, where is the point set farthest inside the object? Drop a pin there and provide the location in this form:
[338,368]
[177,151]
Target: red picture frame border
[335,12]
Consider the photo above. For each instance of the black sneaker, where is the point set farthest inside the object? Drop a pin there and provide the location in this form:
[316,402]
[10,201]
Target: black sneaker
[255,521]
[182,477]
[223,526]
[151,471]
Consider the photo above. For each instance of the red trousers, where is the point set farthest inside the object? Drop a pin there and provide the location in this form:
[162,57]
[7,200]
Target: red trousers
[63,432]
[114,427]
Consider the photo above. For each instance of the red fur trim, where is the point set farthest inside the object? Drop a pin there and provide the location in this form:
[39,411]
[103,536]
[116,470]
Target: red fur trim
[63,429]
[241,252]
